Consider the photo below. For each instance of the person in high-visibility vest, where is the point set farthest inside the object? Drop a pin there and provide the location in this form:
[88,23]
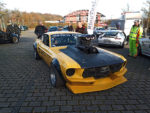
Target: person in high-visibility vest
[135,35]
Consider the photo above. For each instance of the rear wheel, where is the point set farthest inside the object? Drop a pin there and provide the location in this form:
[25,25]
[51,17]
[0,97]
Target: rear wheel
[15,40]
[55,79]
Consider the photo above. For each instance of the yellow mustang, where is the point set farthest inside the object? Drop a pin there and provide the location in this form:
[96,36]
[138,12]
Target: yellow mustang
[79,65]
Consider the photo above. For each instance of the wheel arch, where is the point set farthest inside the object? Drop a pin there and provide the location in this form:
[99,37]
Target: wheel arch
[56,64]
[35,45]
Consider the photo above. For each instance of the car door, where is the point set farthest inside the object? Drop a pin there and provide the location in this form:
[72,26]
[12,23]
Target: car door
[146,46]
[44,49]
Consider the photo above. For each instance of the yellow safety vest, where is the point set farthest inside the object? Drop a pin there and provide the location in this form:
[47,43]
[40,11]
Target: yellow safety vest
[134,31]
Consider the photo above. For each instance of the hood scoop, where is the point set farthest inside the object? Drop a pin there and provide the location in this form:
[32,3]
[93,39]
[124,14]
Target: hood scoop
[86,42]
[88,49]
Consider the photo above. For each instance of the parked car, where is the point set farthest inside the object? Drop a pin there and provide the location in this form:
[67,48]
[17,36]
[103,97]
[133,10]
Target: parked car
[112,38]
[65,28]
[23,28]
[53,28]
[74,62]
[60,28]
[144,46]
[98,30]
[5,37]
[111,28]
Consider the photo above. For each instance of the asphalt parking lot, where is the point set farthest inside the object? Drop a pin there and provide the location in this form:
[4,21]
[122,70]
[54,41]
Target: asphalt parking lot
[25,87]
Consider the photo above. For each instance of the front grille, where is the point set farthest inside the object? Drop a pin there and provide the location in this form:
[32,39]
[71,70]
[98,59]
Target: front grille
[101,72]
[97,72]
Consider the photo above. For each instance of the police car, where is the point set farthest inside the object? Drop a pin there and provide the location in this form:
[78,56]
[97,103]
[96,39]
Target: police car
[145,46]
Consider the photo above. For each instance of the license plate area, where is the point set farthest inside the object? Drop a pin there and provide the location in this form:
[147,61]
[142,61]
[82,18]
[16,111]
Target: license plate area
[107,41]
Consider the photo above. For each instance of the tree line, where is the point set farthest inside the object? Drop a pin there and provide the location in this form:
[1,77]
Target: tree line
[24,18]
[32,19]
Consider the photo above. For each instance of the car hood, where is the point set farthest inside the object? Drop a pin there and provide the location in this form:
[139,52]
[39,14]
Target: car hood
[144,39]
[85,60]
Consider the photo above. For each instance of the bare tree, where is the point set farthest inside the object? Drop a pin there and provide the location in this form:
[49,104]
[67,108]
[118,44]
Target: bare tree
[127,9]
[146,11]
[23,18]
[2,5]
[2,13]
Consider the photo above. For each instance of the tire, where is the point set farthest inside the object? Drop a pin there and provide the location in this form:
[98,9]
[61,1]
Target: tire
[36,55]
[55,78]
[15,40]
[126,42]
[122,46]
[139,51]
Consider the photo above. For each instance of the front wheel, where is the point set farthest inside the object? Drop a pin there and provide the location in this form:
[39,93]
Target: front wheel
[55,78]
[139,50]
[122,46]
[36,55]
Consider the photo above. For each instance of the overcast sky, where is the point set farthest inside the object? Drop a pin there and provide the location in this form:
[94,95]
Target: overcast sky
[110,8]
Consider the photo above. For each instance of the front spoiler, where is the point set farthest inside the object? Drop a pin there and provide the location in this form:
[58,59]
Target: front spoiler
[99,84]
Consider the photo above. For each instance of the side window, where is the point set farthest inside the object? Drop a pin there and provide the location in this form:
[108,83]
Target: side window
[46,39]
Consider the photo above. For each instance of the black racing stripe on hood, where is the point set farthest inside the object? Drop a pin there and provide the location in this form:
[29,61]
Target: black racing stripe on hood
[91,60]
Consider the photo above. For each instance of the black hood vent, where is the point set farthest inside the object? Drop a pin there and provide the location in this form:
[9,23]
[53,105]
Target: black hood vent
[86,43]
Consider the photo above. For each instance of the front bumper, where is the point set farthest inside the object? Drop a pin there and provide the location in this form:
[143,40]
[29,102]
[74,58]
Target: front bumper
[114,45]
[110,43]
[99,84]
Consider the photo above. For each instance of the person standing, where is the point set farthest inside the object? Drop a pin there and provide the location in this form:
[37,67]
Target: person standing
[10,29]
[70,27]
[13,28]
[118,26]
[134,36]
[81,29]
[40,29]
[17,30]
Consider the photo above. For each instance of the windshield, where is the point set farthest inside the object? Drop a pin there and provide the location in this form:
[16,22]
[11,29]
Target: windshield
[100,29]
[110,34]
[63,39]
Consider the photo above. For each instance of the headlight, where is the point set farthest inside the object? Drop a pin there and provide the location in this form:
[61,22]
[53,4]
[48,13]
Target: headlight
[115,67]
[70,72]
[124,64]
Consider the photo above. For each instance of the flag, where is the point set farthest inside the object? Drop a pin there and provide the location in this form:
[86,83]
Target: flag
[92,16]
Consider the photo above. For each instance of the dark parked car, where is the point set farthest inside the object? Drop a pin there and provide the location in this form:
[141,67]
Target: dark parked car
[23,28]
[53,28]
[60,28]
[65,28]
[6,37]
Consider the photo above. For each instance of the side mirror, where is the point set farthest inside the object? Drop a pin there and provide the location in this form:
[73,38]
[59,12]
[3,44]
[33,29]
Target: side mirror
[149,37]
